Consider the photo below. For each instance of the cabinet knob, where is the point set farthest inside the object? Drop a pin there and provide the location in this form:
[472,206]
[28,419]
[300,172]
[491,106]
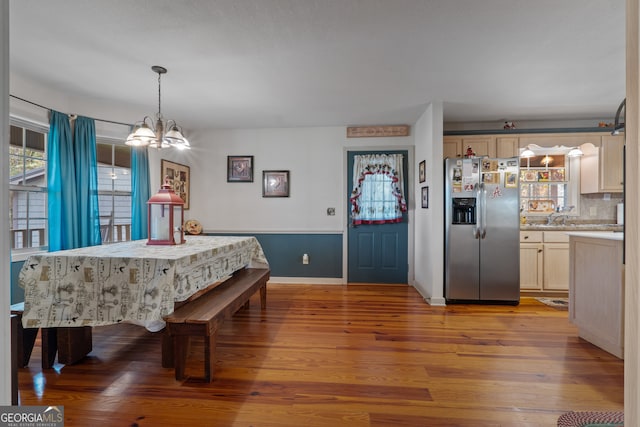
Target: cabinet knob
[539,250]
[526,237]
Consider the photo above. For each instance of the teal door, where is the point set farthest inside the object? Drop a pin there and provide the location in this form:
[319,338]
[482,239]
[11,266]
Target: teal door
[377,253]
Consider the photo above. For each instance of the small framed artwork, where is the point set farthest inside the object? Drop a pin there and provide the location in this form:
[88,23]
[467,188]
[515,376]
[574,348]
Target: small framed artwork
[425,197]
[422,172]
[491,178]
[510,180]
[275,183]
[239,168]
[557,175]
[178,178]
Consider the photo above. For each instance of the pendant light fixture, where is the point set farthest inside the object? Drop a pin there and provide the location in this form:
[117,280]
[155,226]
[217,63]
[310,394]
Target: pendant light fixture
[527,153]
[575,152]
[165,134]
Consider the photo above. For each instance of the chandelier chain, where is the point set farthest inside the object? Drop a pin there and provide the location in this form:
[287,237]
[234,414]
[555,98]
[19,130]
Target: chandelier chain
[159,104]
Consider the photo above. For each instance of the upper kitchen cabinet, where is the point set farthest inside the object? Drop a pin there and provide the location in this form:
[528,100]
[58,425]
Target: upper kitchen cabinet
[602,166]
[506,146]
[482,145]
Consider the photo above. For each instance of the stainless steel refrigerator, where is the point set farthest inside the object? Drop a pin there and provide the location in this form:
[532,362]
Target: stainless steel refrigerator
[482,226]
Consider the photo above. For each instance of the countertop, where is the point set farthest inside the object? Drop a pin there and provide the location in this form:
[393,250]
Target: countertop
[571,227]
[609,235]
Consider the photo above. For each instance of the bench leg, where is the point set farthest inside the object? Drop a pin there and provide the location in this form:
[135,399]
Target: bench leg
[15,324]
[180,349]
[26,341]
[209,357]
[49,343]
[263,297]
[74,343]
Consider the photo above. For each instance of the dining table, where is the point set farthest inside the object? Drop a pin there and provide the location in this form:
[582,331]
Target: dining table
[127,281]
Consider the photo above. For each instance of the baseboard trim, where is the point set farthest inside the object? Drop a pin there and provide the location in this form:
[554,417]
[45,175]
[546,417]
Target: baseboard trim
[307,280]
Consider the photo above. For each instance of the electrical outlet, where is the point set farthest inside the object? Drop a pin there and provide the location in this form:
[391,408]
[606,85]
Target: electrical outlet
[593,211]
[305,259]
[331,211]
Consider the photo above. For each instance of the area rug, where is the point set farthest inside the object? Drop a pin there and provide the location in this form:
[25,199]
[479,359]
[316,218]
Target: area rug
[559,303]
[593,419]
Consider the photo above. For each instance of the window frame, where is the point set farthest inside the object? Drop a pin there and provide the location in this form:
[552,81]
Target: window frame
[571,183]
[113,143]
[21,254]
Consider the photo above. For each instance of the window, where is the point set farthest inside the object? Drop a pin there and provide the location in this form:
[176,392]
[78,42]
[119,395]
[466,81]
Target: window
[28,188]
[548,184]
[378,189]
[114,191]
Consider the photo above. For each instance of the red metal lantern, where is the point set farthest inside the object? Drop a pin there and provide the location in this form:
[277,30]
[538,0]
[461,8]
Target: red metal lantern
[166,217]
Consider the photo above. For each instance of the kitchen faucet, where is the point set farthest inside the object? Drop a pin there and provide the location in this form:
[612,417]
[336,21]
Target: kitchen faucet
[560,209]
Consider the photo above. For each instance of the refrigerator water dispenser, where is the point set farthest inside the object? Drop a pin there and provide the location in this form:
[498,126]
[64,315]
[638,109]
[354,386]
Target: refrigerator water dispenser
[464,210]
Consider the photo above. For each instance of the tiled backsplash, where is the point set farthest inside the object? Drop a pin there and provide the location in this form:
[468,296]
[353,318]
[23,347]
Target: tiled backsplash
[593,209]
[602,210]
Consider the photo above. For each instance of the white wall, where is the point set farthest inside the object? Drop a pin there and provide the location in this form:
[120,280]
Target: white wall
[429,230]
[5,279]
[314,157]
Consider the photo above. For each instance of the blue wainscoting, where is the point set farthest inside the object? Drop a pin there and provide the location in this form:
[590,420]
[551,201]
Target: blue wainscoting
[284,253]
[17,293]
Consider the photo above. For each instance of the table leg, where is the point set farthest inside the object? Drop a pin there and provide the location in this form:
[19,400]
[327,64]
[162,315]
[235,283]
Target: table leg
[167,350]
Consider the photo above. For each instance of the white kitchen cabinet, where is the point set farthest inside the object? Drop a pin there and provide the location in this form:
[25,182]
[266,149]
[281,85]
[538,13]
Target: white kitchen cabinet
[544,261]
[456,146]
[596,295]
[506,146]
[556,261]
[611,165]
[531,261]
[451,147]
[531,266]
[556,267]
[601,167]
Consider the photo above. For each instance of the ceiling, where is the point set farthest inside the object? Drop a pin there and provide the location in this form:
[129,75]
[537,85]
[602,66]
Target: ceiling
[288,63]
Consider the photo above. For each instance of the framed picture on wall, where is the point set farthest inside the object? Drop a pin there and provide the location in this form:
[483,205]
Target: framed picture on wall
[422,172]
[177,176]
[239,168]
[275,183]
[425,197]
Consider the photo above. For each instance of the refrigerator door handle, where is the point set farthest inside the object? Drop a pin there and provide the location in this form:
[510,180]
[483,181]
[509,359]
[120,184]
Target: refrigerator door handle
[483,209]
[476,226]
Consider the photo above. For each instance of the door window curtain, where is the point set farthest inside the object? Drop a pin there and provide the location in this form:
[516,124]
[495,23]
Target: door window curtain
[378,189]
[72,183]
[140,192]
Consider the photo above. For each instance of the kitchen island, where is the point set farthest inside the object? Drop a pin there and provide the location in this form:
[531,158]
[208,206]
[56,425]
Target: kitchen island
[596,288]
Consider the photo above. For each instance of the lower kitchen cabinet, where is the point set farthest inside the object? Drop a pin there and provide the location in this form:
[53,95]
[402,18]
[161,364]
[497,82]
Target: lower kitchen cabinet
[531,266]
[556,267]
[544,261]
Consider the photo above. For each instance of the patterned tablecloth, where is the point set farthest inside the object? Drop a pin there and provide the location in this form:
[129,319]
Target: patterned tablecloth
[128,281]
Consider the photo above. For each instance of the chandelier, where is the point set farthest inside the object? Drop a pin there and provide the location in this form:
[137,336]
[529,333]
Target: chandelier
[165,134]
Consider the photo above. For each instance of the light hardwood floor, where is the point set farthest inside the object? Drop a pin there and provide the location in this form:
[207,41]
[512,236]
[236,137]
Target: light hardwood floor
[357,355]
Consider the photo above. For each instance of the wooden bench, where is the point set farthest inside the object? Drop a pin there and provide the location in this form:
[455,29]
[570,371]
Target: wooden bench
[204,316]
[26,339]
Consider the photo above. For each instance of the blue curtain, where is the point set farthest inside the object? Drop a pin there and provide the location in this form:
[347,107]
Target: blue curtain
[140,192]
[86,169]
[61,184]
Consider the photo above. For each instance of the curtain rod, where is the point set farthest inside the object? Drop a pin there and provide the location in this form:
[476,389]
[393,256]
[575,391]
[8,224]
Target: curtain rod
[70,115]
